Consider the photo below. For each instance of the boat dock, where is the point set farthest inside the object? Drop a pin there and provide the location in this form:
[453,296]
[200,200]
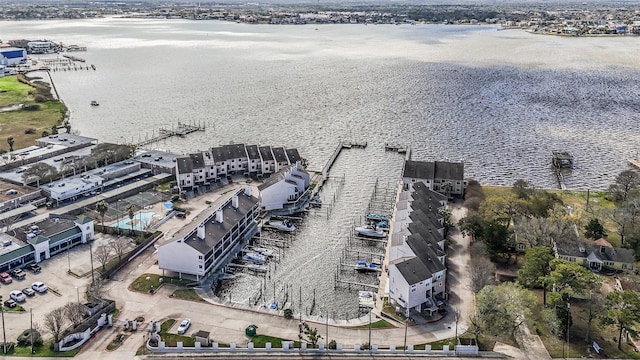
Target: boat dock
[73,58]
[250,267]
[181,130]
[634,162]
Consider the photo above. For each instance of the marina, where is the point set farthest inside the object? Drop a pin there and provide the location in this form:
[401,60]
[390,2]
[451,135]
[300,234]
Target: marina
[181,130]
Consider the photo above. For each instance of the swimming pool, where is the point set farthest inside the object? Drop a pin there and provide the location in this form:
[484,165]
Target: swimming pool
[140,221]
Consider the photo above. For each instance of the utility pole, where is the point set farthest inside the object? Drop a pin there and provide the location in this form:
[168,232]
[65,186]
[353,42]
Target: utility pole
[4,334]
[326,339]
[93,279]
[370,311]
[406,322]
[31,327]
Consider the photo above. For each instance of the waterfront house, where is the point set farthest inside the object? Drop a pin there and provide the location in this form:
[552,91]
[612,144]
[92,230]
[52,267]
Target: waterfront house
[597,255]
[268,164]
[254,161]
[417,271]
[280,157]
[287,191]
[213,238]
[444,177]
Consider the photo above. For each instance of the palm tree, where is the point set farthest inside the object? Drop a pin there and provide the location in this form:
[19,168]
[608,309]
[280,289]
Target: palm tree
[102,207]
[10,141]
[131,209]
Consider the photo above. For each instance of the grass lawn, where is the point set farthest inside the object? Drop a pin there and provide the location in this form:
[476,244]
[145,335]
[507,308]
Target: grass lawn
[380,324]
[187,294]
[259,341]
[172,339]
[13,91]
[166,325]
[42,351]
[143,285]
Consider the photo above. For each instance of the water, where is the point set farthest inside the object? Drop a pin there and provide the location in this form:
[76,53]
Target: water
[501,101]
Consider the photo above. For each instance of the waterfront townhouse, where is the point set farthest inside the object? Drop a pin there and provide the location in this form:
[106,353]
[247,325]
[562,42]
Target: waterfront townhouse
[213,238]
[417,271]
[287,191]
[38,241]
[444,177]
[268,164]
[220,162]
[254,162]
[280,157]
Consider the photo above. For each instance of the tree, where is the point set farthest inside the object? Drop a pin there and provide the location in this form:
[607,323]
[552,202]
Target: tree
[102,207]
[54,322]
[102,254]
[522,189]
[471,225]
[594,230]
[536,268]
[39,171]
[625,215]
[10,141]
[624,311]
[538,231]
[54,129]
[30,335]
[568,277]
[310,334]
[481,268]
[94,290]
[131,210]
[502,309]
[473,195]
[502,209]
[541,202]
[626,182]
[74,312]
[495,236]
[119,246]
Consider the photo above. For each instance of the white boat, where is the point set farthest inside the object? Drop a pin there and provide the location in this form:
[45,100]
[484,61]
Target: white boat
[254,258]
[370,231]
[364,267]
[264,251]
[280,225]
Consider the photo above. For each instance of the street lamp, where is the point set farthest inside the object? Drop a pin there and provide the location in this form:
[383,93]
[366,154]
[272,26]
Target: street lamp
[78,294]
[568,323]
[4,334]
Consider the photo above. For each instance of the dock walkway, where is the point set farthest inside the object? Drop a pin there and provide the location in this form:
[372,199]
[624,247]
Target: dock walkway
[181,130]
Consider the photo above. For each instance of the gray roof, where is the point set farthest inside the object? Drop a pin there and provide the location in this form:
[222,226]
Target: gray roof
[197,160]
[234,151]
[218,154]
[215,231]
[279,155]
[428,235]
[252,152]
[413,270]
[184,164]
[583,249]
[274,178]
[426,252]
[433,170]
[293,155]
[421,190]
[265,153]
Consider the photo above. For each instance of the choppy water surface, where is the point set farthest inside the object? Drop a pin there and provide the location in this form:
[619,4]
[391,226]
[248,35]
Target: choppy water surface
[501,101]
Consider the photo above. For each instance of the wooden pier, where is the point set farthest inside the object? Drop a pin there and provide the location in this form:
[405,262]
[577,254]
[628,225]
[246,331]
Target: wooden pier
[634,162]
[181,130]
[74,58]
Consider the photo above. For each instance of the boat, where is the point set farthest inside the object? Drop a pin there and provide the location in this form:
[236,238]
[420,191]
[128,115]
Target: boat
[280,225]
[264,251]
[366,299]
[365,267]
[254,258]
[370,231]
[383,225]
[315,202]
[94,103]
[273,305]
[377,217]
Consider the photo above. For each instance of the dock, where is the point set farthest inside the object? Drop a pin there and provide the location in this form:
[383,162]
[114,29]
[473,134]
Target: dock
[73,58]
[181,130]
[634,162]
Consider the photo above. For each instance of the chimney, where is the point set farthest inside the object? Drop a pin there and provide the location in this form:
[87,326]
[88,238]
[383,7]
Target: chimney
[247,190]
[234,201]
[219,216]
[201,231]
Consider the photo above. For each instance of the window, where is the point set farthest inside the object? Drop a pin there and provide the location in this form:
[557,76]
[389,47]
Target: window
[200,257]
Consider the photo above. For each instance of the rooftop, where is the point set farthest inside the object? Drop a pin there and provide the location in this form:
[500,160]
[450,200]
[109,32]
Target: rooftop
[65,139]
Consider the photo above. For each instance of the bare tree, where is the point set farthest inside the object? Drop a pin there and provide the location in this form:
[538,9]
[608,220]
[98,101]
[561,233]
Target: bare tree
[626,182]
[94,290]
[74,312]
[102,254]
[119,245]
[54,322]
[540,231]
[482,269]
[8,222]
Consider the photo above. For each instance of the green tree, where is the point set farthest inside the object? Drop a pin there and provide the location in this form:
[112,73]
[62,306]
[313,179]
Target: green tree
[623,311]
[131,210]
[536,268]
[594,230]
[522,189]
[502,309]
[568,277]
[54,129]
[309,334]
[39,171]
[471,225]
[495,235]
[10,141]
[102,207]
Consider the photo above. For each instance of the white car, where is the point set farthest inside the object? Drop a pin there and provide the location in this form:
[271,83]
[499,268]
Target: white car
[17,295]
[39,286]
[184,325]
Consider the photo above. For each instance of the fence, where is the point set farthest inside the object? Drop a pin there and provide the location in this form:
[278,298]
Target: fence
[132,255]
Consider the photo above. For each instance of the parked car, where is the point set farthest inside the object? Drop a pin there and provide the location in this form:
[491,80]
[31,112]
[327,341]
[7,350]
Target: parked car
[18,274]
[10,303]
[28,291]
[18,296]
[5,278]
[39,286]
[34,267]
[184,325]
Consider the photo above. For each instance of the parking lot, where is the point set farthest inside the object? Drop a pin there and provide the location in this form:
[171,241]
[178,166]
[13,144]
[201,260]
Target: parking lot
[63,287]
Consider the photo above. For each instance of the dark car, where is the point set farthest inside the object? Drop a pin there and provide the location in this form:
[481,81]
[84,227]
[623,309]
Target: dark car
[35,268]
[18,274]
[10,303]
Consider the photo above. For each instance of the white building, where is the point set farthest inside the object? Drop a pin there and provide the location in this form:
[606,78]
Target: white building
[286,191]
[417,271]
[41,47]
[13,56]
[443,177]
[213,237]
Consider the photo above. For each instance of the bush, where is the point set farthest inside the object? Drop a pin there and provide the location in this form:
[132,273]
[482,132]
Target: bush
[333,345]
[30,131]
[31,107]
[39,98]
[25,338]
[288,313]
[45,133]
